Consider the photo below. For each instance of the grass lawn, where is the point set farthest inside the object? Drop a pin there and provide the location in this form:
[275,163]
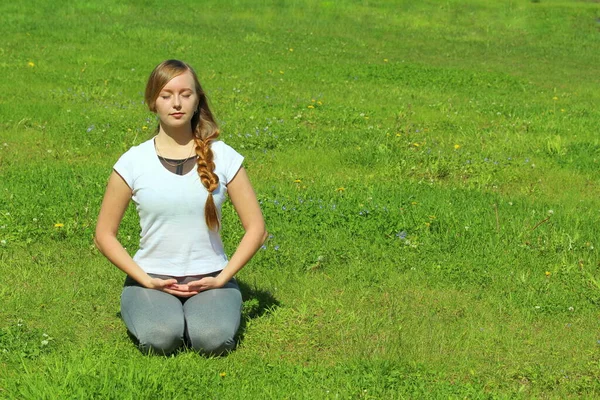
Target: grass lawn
[428,172]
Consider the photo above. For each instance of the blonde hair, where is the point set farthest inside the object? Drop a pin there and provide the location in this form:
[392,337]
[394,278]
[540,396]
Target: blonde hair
[204,128]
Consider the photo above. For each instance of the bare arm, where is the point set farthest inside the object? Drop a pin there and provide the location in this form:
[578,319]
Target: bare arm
[115,202]
[246,205]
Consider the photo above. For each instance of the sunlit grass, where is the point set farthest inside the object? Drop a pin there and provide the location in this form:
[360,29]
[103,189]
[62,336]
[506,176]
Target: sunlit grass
[427,172]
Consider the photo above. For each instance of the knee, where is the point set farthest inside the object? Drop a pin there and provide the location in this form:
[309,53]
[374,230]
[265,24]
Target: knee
[212,342]
[160,340]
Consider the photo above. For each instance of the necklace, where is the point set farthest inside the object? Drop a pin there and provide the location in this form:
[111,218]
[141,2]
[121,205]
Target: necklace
[165,160]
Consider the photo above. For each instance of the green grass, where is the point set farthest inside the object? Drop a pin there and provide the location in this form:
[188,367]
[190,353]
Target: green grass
[427,171]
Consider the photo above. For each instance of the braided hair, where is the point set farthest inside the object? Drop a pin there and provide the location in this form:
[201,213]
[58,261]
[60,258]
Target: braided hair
[204,128]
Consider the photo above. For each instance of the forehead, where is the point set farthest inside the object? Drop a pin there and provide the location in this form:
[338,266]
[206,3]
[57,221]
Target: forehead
[181,82]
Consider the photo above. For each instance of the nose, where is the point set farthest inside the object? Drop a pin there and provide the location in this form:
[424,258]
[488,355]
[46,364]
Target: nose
[177,102]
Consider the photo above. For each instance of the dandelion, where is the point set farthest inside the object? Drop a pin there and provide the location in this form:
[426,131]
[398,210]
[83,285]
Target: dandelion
[548,273]
[291,49]
[297,181]
[311,106]
[456,146]
[555,98]
[281,72]
[144,127]
[385,60]
[320,103]
[59,225]
[414,203]
[31,64]
[340,189]
[398,134]
[562,110]
[223,374]
[416,144]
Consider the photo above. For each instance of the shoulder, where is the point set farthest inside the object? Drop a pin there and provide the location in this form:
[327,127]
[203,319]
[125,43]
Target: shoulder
[136,153]
[220,146]
[223,150]
[227,160]
[140,149]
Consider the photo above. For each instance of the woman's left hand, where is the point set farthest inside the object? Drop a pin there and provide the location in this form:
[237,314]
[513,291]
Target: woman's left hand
[206,283]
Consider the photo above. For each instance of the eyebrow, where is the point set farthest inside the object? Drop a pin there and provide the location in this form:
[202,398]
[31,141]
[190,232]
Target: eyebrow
[181,90]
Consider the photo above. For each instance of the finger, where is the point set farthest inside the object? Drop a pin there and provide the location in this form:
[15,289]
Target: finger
[180,293]
[161,283]
[183,288]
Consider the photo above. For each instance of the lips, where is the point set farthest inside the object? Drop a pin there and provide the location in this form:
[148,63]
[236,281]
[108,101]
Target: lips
[177,115]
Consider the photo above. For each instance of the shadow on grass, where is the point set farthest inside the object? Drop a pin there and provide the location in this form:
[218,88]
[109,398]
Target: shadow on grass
[256,303]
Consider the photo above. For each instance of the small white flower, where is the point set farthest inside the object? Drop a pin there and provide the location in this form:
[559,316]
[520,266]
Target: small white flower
[45,335]
[550,212]
[2,242]
[537,307]
[571,309]
[510,203]
[44,342]
[35,220]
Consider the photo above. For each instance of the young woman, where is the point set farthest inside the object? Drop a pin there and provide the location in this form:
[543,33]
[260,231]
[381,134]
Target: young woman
[180,286]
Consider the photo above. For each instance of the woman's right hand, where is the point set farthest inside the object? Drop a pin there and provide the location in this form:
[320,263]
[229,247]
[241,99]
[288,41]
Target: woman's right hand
[171,286]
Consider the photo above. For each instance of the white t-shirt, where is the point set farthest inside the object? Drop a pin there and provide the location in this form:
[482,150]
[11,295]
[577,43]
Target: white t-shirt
[175,240]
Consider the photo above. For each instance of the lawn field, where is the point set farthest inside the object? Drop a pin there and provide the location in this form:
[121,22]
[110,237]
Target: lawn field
[428,173]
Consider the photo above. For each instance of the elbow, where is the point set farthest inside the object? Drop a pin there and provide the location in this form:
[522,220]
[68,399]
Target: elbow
[100,241]
[97,243]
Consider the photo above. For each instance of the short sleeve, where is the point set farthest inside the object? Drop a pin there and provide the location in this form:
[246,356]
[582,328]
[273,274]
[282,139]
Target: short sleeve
[124,167]
[227,161]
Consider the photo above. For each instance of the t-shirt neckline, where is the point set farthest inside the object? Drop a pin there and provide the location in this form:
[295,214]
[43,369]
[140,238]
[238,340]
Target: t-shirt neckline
[162,167]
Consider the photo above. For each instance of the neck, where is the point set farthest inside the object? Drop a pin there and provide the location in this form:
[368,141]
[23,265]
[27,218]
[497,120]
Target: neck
[174,137]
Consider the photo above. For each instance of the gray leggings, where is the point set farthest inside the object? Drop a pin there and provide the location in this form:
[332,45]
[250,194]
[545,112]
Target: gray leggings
[162,323]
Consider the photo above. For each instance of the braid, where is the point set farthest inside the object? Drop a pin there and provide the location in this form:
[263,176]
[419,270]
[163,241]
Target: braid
[206,170]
